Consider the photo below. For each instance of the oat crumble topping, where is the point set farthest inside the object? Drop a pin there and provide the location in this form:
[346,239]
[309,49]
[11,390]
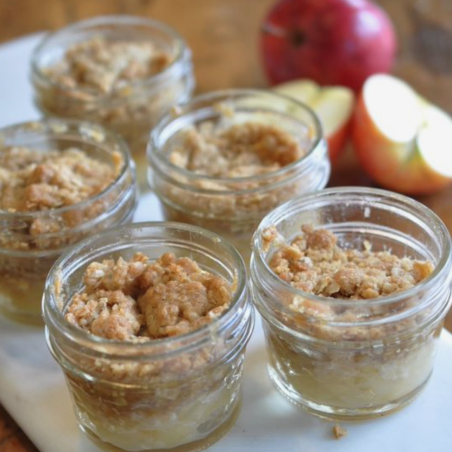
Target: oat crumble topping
[239,150]
[316,264]
[33,181]
[140,300]
[104,66]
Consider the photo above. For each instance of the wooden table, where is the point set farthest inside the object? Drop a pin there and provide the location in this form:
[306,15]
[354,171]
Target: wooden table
[224,37]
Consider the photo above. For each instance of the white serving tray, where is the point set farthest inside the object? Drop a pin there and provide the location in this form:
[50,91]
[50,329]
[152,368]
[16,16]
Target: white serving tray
[33,390]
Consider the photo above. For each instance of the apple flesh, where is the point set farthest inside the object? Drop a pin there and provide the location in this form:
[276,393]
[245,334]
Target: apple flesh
[333,105]
[402,141]
[333,42]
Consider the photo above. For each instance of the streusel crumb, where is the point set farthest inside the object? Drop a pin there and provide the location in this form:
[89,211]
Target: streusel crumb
[339,432]
[32,181]
[142,300]
[316,264]
[240,150]
[103,66]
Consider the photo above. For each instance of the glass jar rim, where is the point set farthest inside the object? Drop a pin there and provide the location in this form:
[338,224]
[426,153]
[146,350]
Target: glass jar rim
[196,338]
[155,156]
[162,76]
[291,206]
[51,126]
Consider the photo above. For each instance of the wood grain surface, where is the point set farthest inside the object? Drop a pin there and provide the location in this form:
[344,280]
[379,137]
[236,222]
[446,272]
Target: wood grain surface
[223,35]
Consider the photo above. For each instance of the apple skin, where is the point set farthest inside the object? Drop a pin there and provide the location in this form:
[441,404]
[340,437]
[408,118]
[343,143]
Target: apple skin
[334,42]
[395,166]
[338,140]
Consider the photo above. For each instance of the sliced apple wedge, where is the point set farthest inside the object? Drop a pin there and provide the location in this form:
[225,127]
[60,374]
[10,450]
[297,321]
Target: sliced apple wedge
[303,90]
[333,105]
[434,141]
[401,140]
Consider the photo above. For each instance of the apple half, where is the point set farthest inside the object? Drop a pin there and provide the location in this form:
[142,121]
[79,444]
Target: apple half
[332,104]
[402,142]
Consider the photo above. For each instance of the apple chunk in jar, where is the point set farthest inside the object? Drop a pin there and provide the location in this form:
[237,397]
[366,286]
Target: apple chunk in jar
[150,330]
[229,157]
[352,305]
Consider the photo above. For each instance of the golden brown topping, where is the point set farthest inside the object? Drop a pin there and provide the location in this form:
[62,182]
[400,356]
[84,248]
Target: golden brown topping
[269,235]
[339,432]
[32,180]
[126,300]
[104,66]
[314,263]
[240,150]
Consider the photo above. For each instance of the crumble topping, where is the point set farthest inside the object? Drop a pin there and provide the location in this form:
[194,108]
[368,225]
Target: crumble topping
[240,150]
[339,432]
[139,300]
[32,180]
[316,264]
[104,66]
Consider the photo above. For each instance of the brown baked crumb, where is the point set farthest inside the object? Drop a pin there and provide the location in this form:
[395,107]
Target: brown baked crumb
[339,432]
[142,300]
[104,66]
[32,180]
[316,264]
[239,150]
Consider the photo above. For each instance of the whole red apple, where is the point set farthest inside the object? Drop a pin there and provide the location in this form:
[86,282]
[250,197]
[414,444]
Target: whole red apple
[334,42]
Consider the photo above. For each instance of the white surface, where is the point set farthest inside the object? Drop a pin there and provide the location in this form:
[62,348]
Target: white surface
[16,101]
[33,390]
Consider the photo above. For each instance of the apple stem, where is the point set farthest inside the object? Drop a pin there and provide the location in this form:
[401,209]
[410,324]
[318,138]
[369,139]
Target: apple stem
[295,36]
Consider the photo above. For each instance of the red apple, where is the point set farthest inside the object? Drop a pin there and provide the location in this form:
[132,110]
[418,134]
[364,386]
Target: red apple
[401,140]
[333,104]
[334,42]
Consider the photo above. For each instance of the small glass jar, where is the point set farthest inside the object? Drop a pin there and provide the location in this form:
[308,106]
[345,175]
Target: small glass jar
[371,357]
[132,110]
[233,207]
[175,394]
[26,256]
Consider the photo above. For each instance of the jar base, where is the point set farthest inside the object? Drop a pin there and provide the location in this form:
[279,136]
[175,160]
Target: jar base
[195,446]
[344,414]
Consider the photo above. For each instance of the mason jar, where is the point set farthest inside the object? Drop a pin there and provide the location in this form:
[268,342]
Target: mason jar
[365,357]
[31,241]
[134,108]
[180,393]
[233,207]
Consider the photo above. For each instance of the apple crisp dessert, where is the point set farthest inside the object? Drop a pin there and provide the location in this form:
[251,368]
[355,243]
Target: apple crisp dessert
[182,402]
[115,81]
[39,195]
[231,175]
[347,362]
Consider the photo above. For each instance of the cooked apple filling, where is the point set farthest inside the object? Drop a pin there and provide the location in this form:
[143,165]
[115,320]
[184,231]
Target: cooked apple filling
[184,399]
[332,373]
